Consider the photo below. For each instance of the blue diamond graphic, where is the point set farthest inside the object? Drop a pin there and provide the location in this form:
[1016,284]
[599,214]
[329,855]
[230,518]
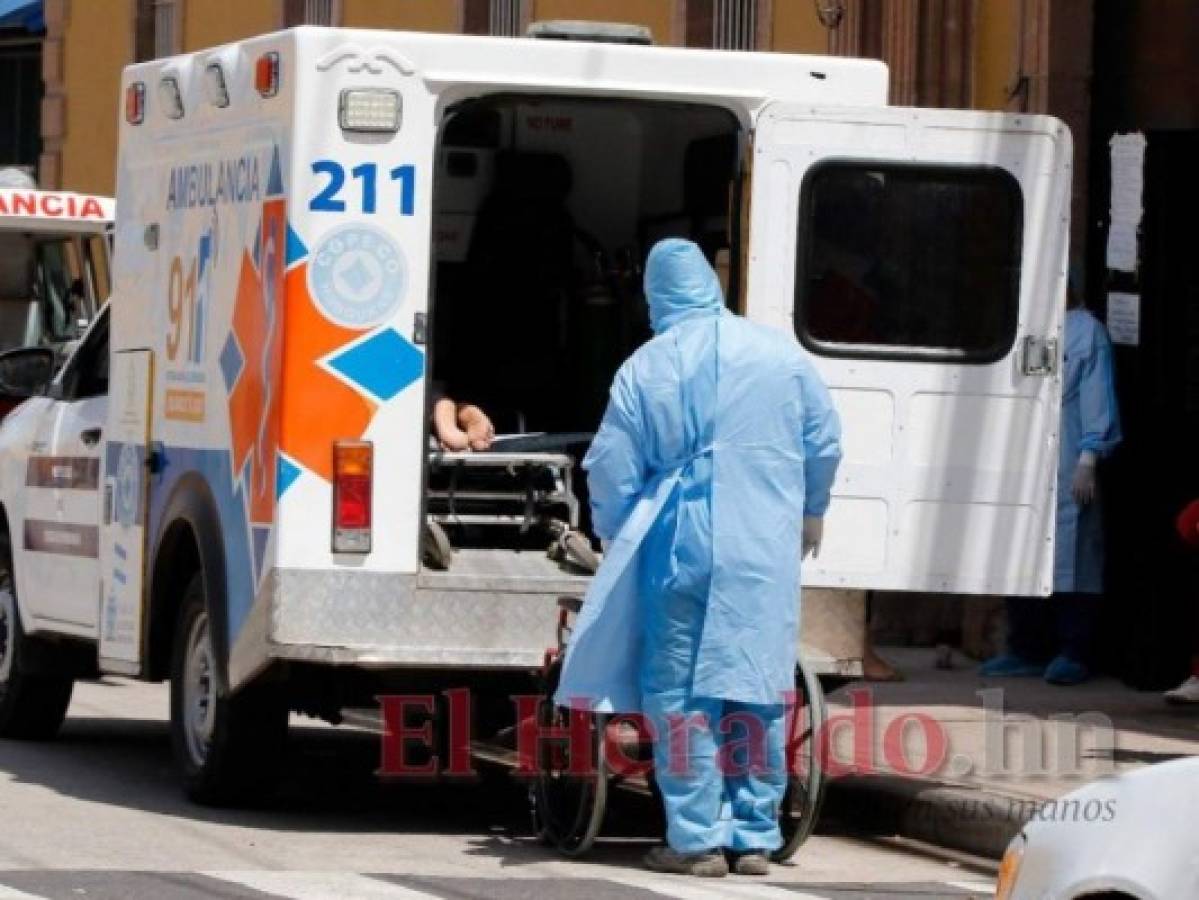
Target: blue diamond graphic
[231,361]
[384,364]
[295,247]
[285,476]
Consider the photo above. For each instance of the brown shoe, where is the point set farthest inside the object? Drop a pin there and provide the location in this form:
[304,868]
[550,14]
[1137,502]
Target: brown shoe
[752,864]
[709,864]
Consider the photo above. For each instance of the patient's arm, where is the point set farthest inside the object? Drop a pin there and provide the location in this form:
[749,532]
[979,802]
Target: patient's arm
[445,426]
[479,430]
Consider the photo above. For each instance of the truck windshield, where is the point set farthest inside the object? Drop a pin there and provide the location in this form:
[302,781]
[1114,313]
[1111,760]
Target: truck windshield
[50,286]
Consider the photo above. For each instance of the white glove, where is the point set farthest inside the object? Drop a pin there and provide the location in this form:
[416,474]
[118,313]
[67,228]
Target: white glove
[1083,486]
[813,533]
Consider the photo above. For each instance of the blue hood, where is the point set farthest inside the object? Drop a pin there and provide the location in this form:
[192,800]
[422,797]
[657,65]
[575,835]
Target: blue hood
[679,284]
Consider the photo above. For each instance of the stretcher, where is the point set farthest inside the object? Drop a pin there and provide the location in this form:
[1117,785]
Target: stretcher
[523,483]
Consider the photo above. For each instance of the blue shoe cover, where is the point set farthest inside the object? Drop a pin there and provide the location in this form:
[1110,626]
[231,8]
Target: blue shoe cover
[1066,671]
[1009,665]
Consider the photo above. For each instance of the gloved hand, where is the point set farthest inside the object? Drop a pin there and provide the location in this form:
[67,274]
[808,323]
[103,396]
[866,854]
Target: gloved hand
[1083,486]
[813,533]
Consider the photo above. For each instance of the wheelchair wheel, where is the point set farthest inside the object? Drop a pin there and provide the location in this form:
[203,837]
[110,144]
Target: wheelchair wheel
[806,782]
[568,807]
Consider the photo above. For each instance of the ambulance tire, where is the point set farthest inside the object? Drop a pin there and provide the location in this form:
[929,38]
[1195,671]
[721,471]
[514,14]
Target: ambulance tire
[806,785]
[33,704]
[228,748]
[568,808]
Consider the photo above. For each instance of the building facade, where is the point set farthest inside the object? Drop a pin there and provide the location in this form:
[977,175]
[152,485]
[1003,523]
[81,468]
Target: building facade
[21,28]
[941,52]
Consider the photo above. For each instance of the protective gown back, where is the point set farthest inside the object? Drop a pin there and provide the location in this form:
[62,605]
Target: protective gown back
[719,437]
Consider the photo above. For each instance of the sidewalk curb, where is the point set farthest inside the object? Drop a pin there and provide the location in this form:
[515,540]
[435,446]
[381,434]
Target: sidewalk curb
[956,817]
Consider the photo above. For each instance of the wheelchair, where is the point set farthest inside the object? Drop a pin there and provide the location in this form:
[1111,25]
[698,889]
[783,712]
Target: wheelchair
[569,802]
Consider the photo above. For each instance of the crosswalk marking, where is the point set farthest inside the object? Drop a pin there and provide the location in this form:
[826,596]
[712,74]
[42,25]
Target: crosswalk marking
[981,888]
[7,893]
[320,885]
[311,885]
[687,887]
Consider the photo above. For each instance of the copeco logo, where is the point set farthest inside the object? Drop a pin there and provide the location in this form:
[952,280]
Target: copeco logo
[128,486]
[358,276]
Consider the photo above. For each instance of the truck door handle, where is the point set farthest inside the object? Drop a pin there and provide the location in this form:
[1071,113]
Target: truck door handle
[90,436]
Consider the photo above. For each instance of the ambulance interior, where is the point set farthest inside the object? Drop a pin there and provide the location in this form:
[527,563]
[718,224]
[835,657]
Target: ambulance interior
[544,212]
[51,285]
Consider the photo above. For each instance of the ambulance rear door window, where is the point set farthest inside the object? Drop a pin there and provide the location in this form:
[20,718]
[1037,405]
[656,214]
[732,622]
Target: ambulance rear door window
[909,261]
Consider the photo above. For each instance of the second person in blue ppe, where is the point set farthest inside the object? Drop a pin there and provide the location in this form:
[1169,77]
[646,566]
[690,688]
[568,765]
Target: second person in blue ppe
[1090,431]
[710,474]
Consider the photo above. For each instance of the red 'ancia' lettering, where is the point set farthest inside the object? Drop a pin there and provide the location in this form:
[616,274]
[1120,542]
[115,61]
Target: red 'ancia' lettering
[50,205]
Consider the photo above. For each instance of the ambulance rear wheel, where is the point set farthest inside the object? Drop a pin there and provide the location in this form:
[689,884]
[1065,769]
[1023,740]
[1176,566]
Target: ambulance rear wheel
[228,748]
[32,704]
[569,795]
[806,782]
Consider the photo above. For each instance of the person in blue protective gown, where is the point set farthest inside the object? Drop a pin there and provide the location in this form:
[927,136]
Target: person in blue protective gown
[1090,431]
[709,478]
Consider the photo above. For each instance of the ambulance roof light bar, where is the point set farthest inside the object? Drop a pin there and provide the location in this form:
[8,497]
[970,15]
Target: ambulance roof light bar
[595,32]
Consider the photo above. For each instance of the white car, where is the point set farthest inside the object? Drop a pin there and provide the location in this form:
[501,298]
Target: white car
[1134,835]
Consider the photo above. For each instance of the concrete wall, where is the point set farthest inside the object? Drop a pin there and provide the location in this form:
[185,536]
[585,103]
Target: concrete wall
[88,44]
[406,15]
[207,23]
[996,39]
[795,28]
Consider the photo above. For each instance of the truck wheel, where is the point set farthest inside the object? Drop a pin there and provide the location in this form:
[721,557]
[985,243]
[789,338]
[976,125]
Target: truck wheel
[32,704]
[228,748]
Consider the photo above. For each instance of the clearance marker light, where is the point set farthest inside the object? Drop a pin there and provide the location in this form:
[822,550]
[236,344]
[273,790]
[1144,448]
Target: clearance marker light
[135,103]
[170,97]
[214,85]
[266,74]
[352,487]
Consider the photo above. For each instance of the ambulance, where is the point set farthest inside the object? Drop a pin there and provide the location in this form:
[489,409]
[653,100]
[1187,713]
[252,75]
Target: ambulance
[232,484]
[55,273]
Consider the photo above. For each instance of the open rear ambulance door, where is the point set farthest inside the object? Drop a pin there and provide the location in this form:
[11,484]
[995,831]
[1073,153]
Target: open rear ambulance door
[126,475]
[920,256]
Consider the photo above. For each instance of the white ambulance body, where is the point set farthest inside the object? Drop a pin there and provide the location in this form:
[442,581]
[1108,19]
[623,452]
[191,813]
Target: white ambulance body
[234,492]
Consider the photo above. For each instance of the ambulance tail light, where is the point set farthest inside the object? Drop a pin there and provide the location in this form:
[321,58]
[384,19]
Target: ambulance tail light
[135,103]
[353,481]
[266,74]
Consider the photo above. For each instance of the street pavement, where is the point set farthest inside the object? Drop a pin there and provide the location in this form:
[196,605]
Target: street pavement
[98,814]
